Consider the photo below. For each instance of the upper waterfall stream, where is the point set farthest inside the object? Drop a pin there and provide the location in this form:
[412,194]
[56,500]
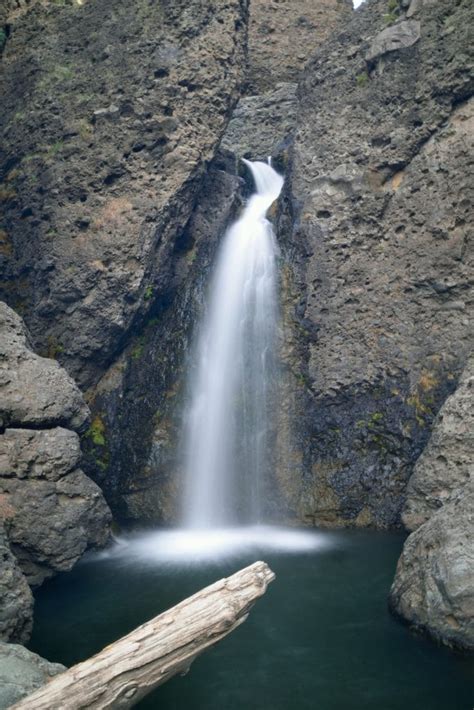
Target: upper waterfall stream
[227,423]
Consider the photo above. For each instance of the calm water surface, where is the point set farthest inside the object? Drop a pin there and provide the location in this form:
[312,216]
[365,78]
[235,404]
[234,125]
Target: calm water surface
[320,639]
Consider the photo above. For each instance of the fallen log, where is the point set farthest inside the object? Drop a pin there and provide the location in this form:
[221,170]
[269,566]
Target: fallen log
[123,673]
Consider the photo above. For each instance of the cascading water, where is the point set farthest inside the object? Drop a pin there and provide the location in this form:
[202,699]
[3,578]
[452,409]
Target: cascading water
[227,429]
[227,424]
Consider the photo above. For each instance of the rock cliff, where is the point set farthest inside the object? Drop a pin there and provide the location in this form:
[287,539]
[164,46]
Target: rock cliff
[377,279]
[111,112]
[119,174]
[283,34]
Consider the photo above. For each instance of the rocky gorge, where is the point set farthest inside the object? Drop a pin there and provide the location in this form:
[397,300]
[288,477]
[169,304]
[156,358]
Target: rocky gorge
[122,132]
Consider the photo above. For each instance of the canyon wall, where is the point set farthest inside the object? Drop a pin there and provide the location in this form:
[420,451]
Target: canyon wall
[119,173]
[377,279]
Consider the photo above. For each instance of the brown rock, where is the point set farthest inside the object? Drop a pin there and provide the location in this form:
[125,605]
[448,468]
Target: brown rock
[284,34]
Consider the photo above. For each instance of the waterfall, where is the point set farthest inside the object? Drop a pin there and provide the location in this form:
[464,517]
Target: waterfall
[227,423]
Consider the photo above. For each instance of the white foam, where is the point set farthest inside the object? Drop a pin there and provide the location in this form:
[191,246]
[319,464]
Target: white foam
[183,546]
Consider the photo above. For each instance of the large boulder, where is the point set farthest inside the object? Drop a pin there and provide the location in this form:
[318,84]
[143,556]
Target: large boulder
[51,510]
[22,672]
[34,391]
[447,462]
[51,523]
[434,583]
[16,600]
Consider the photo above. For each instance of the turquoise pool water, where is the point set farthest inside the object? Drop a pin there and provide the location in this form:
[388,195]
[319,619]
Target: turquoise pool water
[320,639]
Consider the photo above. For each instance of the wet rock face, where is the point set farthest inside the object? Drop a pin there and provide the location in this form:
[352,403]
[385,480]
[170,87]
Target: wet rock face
[283,34]
[132,445]
[110,112]
[434,582]
[16,599]
[51,511]
[376,287]
[22,672]
[447,462]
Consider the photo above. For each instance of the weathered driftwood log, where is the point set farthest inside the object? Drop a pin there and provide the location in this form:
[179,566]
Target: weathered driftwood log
[124,672]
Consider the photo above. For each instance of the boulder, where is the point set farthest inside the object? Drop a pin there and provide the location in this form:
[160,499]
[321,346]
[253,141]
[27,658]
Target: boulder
[393,39]
[434,583]
[50,524]
[34,390]
[51,510]
[447,462]
[38,454]
[16,600]
[22,672]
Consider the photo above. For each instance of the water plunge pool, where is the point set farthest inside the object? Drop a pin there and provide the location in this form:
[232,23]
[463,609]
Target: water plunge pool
[320,638]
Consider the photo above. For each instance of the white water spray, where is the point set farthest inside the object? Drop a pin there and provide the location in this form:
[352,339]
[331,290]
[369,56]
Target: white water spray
[227,423]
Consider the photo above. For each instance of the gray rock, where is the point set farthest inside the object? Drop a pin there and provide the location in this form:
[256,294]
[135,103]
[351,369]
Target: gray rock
[104,160]
[447,462]
[434,583]
[22,672]
[50,523]
[283,35]
[394,38]
[49,453]
[261,125]
[376,251]
[16,600]
[52,512]
[34,390]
